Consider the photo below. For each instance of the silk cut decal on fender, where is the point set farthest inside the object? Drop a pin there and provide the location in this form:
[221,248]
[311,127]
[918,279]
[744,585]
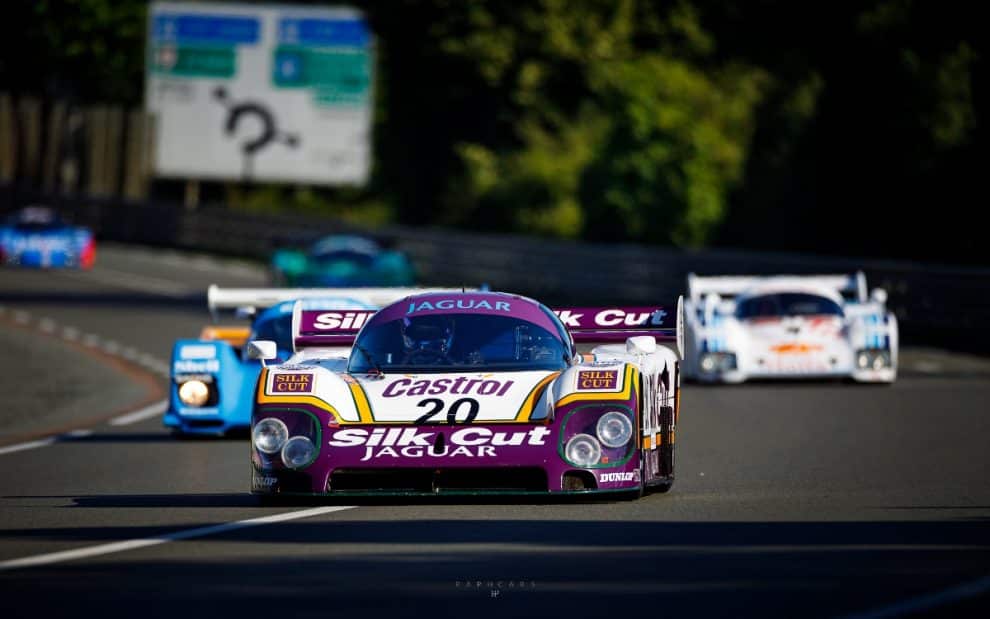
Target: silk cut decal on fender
[598,380]
[620,391]
[286,383]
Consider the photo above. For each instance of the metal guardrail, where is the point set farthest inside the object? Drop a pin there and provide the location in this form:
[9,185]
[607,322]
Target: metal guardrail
[945,306]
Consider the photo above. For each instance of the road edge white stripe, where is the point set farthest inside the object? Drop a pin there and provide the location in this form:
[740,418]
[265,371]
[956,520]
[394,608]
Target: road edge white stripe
[115,547]
[152,410]
[147,412]
[929,601]
[9,449]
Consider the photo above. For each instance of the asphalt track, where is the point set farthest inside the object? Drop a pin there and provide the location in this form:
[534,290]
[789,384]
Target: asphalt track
[806,500]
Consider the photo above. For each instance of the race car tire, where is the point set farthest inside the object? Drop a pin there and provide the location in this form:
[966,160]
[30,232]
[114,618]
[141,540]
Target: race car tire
[662,487]
[666,450]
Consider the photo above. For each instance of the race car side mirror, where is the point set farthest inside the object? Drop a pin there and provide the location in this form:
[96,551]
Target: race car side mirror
[264,350]
[879,295]
[641,345]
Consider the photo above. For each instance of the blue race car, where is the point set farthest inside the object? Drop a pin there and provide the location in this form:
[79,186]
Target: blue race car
[37,237]
[342,260]
[213,381]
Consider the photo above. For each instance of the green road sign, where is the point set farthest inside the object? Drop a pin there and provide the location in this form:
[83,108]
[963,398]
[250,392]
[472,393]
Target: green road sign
[337,77]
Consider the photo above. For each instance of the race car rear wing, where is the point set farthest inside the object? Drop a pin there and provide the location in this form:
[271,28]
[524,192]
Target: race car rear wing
[252,300]
[852,287]
[601,325]
[326,327]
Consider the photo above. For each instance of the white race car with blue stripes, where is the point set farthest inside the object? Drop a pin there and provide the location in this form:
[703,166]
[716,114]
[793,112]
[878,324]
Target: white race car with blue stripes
[811,326]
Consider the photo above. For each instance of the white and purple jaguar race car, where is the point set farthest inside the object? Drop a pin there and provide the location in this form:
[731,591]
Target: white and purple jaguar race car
[469,392]
[811,326]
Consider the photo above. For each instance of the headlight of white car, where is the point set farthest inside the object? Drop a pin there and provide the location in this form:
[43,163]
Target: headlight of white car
[873,359]
[194,393]
[614,429]
[583,450]
[711,362]
[269,435]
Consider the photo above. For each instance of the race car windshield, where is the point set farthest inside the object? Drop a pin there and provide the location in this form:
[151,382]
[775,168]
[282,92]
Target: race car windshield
[453,342]
[345,257]
[35,220]
[787,304]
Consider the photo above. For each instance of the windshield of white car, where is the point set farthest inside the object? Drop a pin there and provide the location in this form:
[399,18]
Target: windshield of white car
[457,342]
[787,304]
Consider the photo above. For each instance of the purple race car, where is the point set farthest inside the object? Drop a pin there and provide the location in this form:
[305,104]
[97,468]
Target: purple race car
[469,392]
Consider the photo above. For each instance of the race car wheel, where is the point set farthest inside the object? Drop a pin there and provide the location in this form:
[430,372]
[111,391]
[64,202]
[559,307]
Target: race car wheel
[662,487]
[667,444]
[666,450]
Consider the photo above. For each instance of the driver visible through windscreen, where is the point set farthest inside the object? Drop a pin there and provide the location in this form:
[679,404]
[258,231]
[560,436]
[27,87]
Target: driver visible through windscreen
[787,304]
[447,342]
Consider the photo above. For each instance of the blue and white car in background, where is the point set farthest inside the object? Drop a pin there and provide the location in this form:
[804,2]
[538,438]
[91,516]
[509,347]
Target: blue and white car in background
[810,326]
[37,237]
[212,380]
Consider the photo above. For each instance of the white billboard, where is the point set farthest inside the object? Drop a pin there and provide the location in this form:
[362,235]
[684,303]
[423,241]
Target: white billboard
[260,93]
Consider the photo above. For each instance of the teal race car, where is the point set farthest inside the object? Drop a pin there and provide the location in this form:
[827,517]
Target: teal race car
[342,261]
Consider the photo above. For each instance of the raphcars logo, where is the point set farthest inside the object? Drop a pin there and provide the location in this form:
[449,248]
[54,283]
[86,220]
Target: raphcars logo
[414,443]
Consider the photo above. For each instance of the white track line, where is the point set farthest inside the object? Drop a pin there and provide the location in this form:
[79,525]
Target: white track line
[140,414]
[9,449]
[115,547]
[922,603]
[147,412]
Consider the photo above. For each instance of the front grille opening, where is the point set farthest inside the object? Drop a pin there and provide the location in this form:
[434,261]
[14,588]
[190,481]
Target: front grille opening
[380,480]
[579,480]
[520,479]
[294,481]
[505,479]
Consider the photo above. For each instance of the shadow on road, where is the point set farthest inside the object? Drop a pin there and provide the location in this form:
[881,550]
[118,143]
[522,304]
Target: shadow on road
[580,568]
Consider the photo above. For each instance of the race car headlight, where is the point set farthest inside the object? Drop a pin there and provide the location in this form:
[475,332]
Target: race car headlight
[194,393]
[614,429]
[717,362]
[269,435]
[298,452]
[583,450]
[873,359]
